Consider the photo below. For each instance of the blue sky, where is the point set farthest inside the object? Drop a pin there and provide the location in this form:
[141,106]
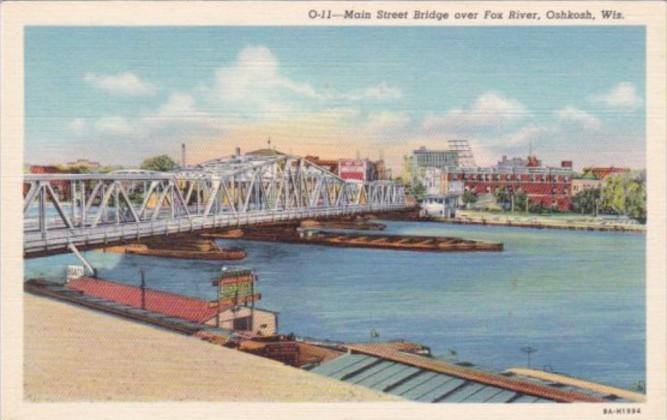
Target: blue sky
[119,95]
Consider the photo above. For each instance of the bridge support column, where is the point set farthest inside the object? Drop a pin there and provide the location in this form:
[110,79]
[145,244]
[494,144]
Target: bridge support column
[83,260]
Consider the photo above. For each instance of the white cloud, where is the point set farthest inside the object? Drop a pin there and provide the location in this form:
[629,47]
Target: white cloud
[78,126]
[383,123]
[255,84]
[624,95]
[570,114]
[114,126]
[121,84]
[177,119]
[179,105]
[524,135]
[489,110]
[180,116]
[379,92]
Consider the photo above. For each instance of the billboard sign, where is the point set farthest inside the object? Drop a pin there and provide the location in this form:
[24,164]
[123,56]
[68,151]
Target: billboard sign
[352,169]
[236,287]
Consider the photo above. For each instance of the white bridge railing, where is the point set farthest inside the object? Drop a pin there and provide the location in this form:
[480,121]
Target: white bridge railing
[94,209]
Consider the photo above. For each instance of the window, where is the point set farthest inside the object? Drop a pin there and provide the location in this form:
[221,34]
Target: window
[242,324]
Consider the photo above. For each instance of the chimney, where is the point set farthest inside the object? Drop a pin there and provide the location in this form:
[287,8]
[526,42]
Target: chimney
[238,152]
[183,155]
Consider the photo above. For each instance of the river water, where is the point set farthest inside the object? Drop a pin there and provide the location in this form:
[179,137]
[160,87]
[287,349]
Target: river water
[578,298]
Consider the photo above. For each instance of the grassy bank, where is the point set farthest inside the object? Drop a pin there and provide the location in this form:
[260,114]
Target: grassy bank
[74,354]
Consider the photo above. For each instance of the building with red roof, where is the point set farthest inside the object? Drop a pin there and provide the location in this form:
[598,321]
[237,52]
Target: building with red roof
[197,310]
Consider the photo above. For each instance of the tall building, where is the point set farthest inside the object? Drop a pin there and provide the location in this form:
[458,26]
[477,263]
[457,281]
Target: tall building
[463,151]
[424,158]
[415,164]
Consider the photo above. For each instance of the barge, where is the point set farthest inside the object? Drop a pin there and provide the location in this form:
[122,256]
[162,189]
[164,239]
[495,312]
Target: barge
[191,250]
[356,240]
[343,224]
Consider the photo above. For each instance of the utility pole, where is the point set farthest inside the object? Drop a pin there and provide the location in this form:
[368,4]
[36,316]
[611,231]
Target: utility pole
[528,350]
[252,304]
[217,314]
[143,290]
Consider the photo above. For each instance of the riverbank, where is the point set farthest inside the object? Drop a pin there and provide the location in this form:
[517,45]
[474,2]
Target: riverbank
[543,274]
[564,221]
[74,354]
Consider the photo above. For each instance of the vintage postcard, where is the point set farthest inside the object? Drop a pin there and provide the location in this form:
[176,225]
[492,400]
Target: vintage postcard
[363,210]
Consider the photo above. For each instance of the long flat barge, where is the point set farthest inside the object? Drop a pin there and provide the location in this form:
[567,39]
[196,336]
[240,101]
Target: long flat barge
[355,240]
[140,249]
[343,224]
[61,292]
[180,247]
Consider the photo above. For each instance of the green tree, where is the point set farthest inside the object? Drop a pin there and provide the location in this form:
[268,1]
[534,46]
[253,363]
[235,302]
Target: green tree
[626,194]
[469,197]
[520,201]
[586,201]
[418,191]
[162,163]
[503,198]
[75,169]
[537,208]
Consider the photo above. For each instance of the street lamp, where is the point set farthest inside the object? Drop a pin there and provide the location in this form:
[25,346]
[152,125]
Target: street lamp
[528,350]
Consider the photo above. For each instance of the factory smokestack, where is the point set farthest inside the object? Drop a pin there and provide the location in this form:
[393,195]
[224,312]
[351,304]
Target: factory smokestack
[183,155]
[238,152]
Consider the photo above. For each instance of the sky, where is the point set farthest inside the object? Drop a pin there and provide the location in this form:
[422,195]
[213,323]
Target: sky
[121,94]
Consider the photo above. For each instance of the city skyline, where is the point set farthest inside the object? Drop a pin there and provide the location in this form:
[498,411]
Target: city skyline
[119,95]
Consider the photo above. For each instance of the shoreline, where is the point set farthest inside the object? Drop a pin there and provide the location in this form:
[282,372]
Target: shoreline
[536,223]
[116,367]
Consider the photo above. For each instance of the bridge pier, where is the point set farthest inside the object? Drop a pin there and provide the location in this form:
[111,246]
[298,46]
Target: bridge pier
[83,259]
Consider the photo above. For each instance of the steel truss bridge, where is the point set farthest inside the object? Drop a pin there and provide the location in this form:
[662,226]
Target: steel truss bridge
[64,211]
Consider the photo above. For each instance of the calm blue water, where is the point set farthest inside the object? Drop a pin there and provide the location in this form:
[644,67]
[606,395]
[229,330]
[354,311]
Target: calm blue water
[576,297]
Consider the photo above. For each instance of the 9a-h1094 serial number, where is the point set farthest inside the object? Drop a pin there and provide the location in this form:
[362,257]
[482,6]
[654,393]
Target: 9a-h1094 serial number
[622,410]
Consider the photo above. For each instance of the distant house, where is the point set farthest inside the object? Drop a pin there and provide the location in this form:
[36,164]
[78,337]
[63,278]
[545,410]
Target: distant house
[330,165]
[60,187]
[586,182]
[604,172]
[440,205]
[83,163]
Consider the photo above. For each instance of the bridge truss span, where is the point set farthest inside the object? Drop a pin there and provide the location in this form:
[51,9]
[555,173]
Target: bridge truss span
[97,209]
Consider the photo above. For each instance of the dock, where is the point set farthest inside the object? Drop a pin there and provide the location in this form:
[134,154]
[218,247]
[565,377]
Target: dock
[401,371]
[397,369]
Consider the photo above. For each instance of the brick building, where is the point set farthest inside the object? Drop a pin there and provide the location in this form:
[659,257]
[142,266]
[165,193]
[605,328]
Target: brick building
[546,186]
[354,169]
[60,187]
